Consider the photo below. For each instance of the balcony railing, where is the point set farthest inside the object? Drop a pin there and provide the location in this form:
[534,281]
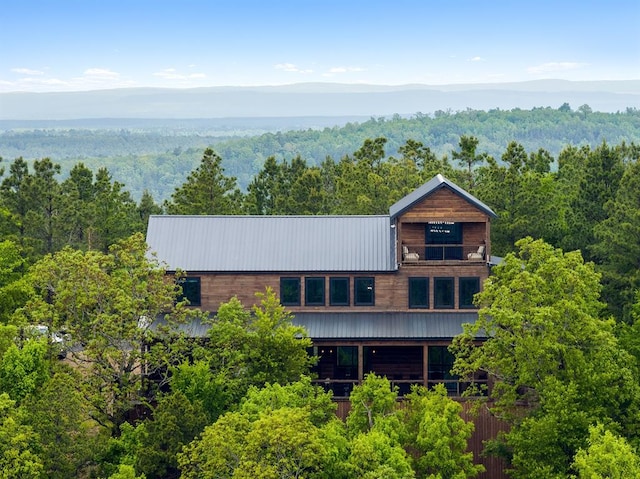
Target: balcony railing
[417,253]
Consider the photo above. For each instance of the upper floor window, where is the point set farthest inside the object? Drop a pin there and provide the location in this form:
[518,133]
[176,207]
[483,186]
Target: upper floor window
[290,291]
[467,288]
[418,292]
[443,293]
[339,291]
[314,291]
[364,294]
[441,234]
[190,290]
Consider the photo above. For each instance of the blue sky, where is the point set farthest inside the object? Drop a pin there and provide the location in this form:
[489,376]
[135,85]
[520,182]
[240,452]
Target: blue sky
[71,45]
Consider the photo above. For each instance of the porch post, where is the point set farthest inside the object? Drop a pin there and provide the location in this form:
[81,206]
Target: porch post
[360,363]
[425,364]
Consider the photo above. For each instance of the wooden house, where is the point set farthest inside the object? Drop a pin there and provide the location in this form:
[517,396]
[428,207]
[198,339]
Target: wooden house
[383,294]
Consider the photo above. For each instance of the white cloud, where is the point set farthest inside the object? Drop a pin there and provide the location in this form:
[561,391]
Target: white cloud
[476,59]
[290,67]
[551,67]
[27,71]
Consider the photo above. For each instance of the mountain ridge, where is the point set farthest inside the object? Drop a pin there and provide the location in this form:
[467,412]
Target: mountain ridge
[315,99]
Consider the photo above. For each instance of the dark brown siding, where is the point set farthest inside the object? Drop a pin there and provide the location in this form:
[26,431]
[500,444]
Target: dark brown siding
[444,205]
[391,289]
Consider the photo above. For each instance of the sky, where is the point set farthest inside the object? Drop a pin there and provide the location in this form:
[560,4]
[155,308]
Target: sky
[78,45]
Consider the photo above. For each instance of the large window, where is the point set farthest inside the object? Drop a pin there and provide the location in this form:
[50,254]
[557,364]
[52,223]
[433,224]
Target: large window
[443,233]
[418,292]
[440,362]
[364,292]
[314,291]
[443,293]
[190,290]
[339,291]
[467,288]
[290,291]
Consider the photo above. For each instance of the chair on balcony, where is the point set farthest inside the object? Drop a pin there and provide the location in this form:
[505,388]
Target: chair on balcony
[477,254]
[406,256]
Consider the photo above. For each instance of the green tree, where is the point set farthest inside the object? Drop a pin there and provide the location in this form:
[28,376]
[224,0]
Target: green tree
[77,203]
[618,244]
[16,201]
[601,170]
[253,347]
[361,186]
[18,444]
[24,369]
[264,189]
[114,213]
[121,308]
[548,349]
[439,435]
[468,158]
[607,456]
[60,415]
[276,433]
[374,455]
[14,292]
[175,422]
[207,190]
[373,405]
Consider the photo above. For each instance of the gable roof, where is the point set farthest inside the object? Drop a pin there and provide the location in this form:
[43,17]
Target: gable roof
[434,184]
[272,243]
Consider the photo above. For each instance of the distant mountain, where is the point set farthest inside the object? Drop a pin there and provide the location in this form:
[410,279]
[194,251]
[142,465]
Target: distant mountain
[316,99]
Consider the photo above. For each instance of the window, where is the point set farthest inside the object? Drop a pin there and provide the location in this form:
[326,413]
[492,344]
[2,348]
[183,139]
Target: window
[467,287]
[339,291]
[443,233]
[314,291]
[190,290]
[418,292]
[290,291]
[440,362]
[443,292]
[363,291]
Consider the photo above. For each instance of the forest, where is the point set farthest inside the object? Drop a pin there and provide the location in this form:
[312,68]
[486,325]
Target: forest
[157,155]
[97,380]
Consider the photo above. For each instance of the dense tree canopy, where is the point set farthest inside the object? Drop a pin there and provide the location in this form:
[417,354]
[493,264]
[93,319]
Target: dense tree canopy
[562,347]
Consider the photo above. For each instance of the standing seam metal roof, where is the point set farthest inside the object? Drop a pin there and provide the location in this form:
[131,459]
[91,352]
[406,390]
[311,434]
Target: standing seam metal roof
[272,243]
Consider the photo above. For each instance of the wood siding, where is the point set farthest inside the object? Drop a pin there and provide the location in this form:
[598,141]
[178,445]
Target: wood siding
[443,205]
[390,290]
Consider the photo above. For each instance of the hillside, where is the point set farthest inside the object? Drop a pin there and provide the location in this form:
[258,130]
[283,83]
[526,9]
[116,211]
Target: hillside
[315,99]
[157,155]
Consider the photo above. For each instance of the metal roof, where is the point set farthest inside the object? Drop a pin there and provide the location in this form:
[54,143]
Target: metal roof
[430,187]
[392,325]
[272,243]
[364,325]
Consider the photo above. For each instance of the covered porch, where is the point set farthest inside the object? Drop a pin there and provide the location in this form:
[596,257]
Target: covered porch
[406,348]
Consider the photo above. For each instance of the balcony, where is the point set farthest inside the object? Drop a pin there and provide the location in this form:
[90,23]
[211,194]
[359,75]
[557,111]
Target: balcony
[429,253]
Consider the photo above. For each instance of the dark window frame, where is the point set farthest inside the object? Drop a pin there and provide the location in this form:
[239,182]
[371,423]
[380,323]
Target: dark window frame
[462,297]
[308,287]
[334,281]
[283,300]
[193,299]
[413,303]
[437,282]
[357,299]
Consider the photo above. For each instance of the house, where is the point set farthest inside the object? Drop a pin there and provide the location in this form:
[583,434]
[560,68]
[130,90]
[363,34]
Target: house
[376,293]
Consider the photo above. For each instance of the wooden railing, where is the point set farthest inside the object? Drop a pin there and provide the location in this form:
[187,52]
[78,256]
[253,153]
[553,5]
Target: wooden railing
[443,252]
